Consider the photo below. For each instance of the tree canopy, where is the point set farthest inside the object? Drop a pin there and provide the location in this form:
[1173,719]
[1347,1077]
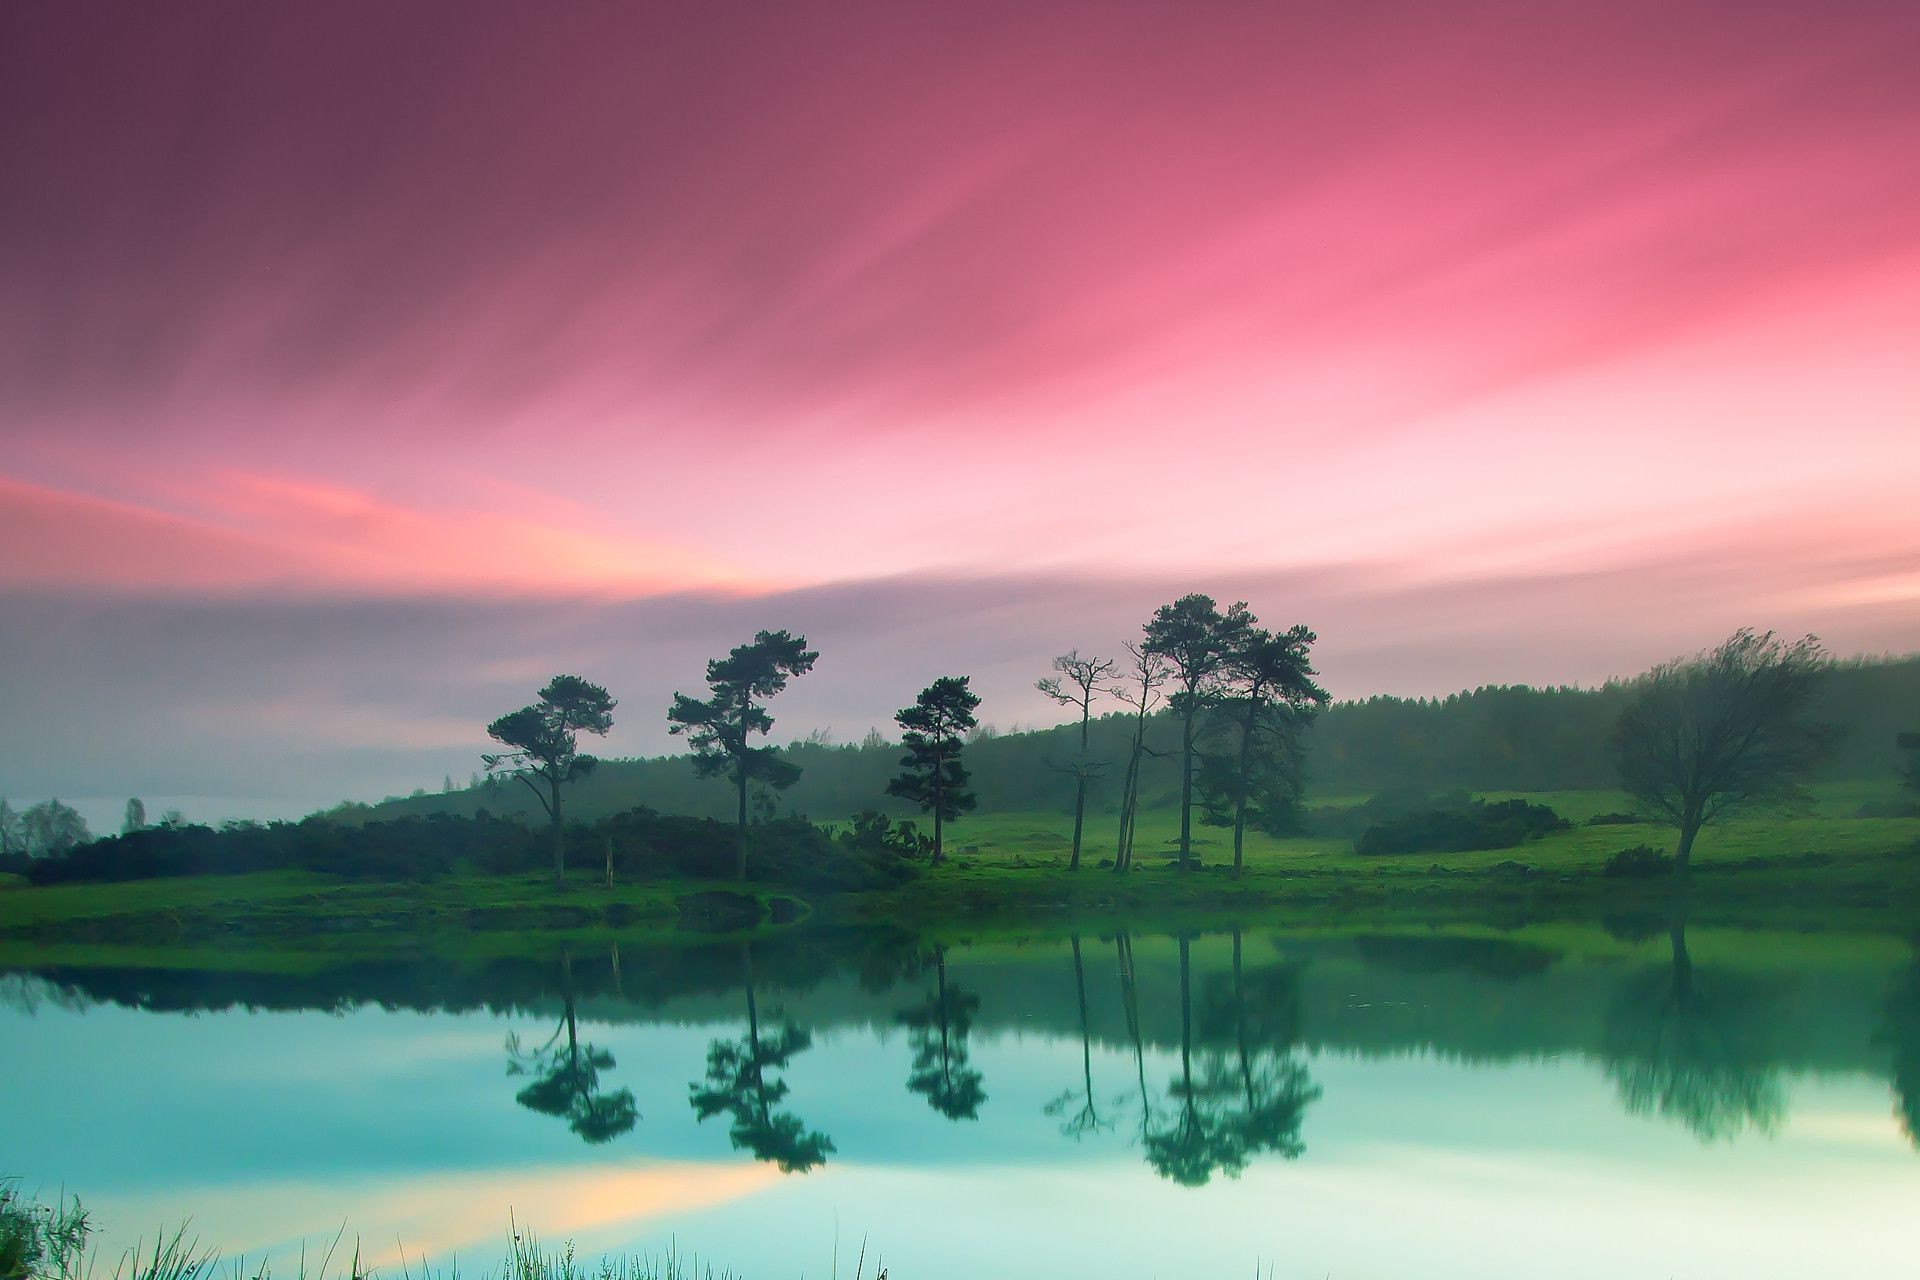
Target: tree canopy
[1725,730]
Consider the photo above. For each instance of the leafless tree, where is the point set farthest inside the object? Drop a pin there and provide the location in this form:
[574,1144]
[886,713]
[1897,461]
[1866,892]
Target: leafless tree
[1076,682]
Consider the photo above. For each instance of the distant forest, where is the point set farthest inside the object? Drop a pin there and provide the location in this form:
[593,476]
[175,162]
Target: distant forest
[1497,738]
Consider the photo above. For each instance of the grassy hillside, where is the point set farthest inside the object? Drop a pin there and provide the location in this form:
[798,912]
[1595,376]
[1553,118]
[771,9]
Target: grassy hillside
[1497,739]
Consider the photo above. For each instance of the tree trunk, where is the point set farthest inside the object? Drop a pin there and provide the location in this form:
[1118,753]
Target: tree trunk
[939,802]
[609,863]
[1186,790]
[1683,853]
[559,841]
[1242,787]
[740,833]
[1080,791]
[1079,818]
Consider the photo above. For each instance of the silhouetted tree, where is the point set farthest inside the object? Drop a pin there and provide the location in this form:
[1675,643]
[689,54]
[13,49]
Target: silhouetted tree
[545,747]
[51,830]
[1076,683]
[722,727]
[1908,745]
[135,817]
[938,1031]
[1268,696]
[934,729]
[739,1083]
[566,1078]
[1692,1056]
[12,839]
[1140,691]
[1724,730]
[1197,641]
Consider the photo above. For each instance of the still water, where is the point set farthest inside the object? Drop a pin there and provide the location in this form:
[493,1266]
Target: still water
[1566,1101]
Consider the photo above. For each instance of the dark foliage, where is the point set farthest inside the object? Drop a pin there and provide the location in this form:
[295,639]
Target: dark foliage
[646,845]
[1477,825]
[1641,862]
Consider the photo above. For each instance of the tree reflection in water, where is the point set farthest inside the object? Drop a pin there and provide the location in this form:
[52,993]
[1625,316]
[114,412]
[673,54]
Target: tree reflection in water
[1694,1051]
[1250,1095]
[566,1077]
[938,1031]
[740,1083]
[1901,1034]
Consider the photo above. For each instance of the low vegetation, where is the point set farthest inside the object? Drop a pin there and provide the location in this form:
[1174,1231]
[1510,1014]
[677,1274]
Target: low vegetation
[40,1241]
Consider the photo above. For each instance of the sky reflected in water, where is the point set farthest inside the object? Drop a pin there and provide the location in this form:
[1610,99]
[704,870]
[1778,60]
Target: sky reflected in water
[1689,1103]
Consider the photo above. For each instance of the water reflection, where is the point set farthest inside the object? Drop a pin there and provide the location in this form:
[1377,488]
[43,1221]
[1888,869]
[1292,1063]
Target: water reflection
[938,1029]
[1695,1048]
[1901,1034]
[741,1083]
[566,1078]
[1200,1055]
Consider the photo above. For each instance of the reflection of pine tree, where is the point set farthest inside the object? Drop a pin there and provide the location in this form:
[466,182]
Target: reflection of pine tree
[1251,1094]
[566,1078]
[1902,1035]
[938,1031]
[1692,1055]
[739,1082]
[1261,1018]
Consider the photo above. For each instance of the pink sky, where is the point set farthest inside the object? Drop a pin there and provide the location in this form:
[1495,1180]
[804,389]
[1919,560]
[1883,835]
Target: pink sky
[1519,341]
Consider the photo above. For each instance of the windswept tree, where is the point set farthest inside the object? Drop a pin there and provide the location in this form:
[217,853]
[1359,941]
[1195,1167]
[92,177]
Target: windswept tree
[543,742]
[1075,683]
[566,1077]
[1197,641]
[1267,696]
[1139,689]
[1723,731]
[721,728]
[135,818]
[933,730]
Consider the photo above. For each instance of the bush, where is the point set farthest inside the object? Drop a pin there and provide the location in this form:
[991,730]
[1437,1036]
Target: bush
[1641,862]
[1615,820]
[1474,825]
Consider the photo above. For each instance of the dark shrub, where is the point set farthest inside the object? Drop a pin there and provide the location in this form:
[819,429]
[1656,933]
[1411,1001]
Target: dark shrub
[1615,820]
[1641,862]
[1473,825]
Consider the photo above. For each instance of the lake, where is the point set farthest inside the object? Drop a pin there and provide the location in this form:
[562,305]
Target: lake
[1639,1099]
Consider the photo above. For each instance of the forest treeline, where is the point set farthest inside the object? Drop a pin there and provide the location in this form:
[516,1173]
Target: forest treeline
[1496,738]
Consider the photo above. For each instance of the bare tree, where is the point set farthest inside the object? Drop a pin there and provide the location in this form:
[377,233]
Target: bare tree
[1140,691]
[1722,731]
[1076,682]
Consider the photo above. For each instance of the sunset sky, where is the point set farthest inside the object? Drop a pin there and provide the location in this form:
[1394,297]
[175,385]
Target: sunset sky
[363,364]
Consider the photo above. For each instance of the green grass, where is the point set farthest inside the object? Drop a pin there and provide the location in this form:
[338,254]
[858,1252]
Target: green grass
[1013,865]
[55,1242]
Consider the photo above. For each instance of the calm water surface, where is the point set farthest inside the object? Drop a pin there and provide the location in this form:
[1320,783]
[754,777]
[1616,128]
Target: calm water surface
[1567,1102]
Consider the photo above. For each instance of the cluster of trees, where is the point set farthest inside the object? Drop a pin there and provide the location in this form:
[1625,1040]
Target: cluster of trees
[724,730]
[45,830]
[1241,694]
